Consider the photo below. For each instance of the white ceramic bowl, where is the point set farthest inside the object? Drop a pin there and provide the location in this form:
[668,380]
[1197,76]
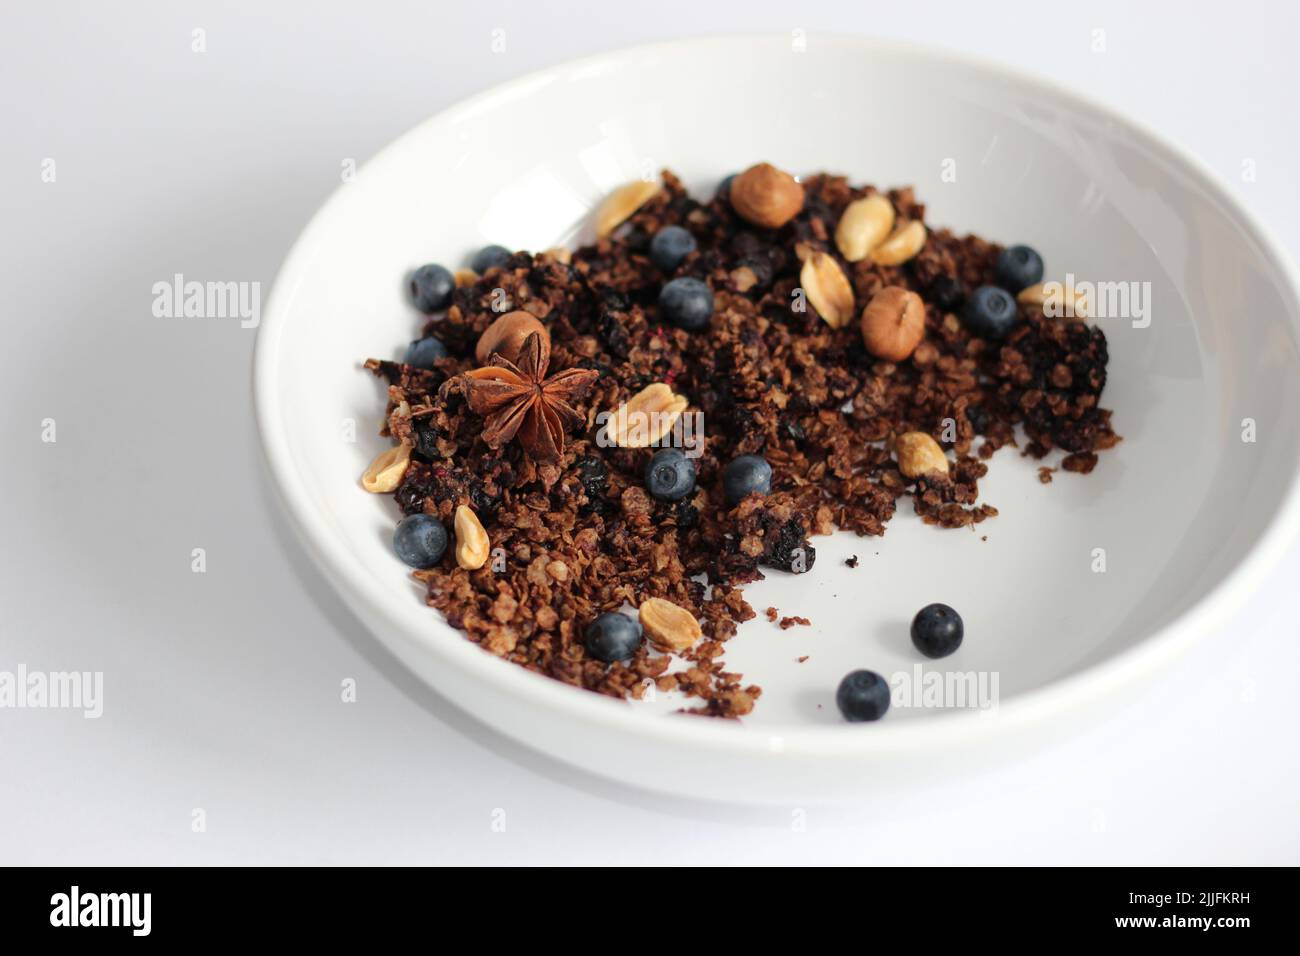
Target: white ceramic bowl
[1185,512]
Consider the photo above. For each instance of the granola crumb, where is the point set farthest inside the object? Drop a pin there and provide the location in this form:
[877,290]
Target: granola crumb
[789,622]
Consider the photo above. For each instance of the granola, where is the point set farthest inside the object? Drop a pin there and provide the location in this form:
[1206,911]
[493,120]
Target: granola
[574,532]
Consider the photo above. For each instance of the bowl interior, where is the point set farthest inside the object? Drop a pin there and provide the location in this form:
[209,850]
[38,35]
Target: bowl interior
[1070,573]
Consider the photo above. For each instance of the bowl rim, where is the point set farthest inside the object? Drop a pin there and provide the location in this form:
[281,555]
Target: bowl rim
[1055,697]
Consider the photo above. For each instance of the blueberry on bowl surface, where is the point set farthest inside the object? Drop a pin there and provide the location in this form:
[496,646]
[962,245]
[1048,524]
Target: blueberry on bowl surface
[670,247]
[687,303]
[487,257]
[612,637]
[1018,267]
[670,475]
[422,353]
[745,474]
[990,312]
[937,630]
[862,695]
[431,287]
[420,540]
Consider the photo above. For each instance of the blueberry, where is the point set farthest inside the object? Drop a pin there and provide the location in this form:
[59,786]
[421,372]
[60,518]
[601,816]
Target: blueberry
[612,637]
[745,474]
[670,246]
[863,695]
[724,187]
[990,312]
[1019,267]
[487,257]
[431,288]
[420,540]
[423,352]
[945,292]
[937,630]
[670,476]
[686,303]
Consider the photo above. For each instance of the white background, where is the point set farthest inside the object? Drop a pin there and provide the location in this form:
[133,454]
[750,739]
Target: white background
[222,689]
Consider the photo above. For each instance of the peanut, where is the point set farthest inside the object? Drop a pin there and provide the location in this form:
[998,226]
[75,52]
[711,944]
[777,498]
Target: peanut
[864,225]
[386,471]
[919,454]
[669,627]
[472,544]
[645,417]
[1055,300]
[827,289]
[622,203]
[905,242]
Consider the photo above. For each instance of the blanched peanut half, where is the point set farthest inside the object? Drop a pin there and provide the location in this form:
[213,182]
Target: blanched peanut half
[919,454]
[386,471]
[621,203]
[864,224]
[668,626]
[472,545]
[905,242]
[646,417]
[1056,299]
[827,289]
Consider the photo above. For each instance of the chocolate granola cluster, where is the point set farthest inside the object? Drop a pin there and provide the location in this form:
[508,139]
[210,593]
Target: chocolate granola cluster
[574,532]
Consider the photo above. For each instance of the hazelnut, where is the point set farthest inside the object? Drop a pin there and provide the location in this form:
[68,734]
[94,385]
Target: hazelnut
[766,196]
[506,336]
[893,323]
[919,454]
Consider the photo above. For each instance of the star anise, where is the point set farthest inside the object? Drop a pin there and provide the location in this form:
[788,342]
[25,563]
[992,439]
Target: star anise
[516,398]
